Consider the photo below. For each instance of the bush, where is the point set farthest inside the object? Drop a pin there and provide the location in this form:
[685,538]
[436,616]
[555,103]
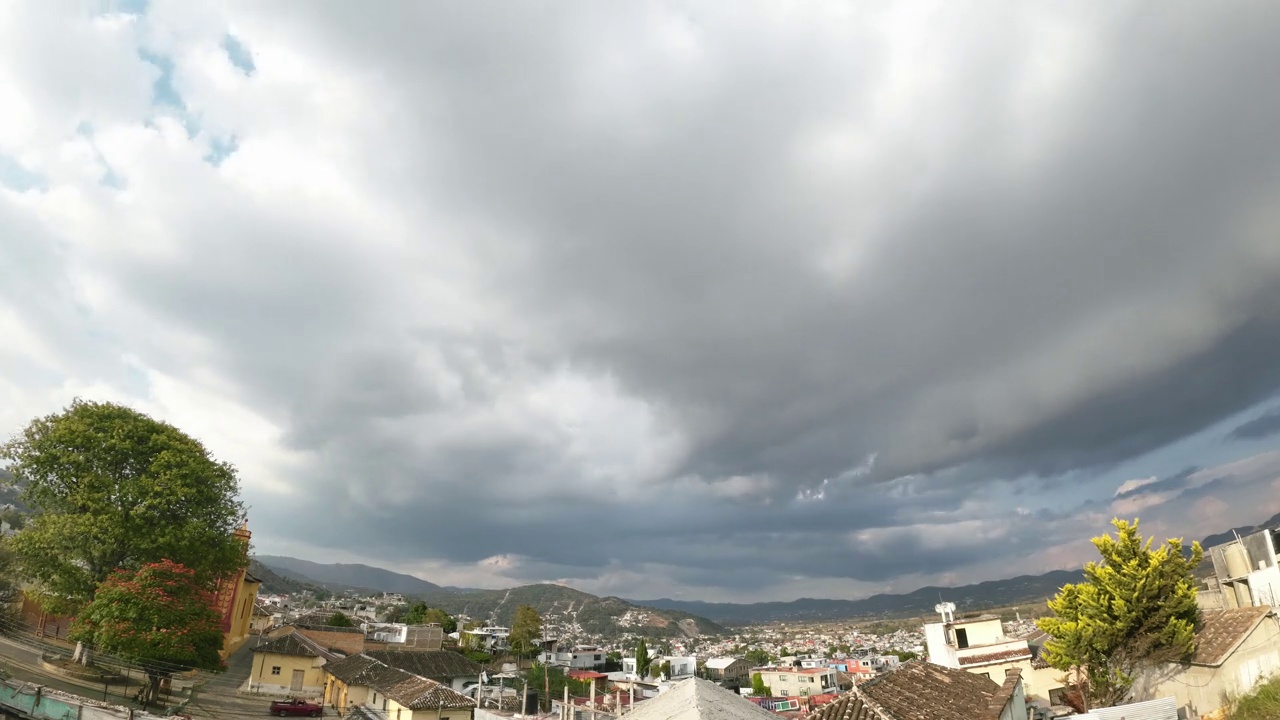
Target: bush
[1261,704]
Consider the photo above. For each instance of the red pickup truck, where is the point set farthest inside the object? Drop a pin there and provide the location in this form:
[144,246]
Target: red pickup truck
[285,708]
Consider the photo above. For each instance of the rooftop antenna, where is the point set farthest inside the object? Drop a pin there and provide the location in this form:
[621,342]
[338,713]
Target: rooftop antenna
[947,610]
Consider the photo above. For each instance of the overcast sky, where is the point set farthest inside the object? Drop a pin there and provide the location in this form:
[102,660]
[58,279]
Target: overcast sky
[720,301]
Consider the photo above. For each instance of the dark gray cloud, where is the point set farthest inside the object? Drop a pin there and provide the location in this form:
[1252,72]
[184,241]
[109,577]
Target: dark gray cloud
[676,292]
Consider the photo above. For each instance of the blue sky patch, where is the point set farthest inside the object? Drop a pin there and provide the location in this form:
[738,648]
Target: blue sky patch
[16,177]
[239,54]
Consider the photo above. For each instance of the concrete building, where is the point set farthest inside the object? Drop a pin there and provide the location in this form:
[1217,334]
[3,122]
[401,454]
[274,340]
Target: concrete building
[978,645]
[579,658]
[1247,570]
[729,671]
[798,681]
[1235,649]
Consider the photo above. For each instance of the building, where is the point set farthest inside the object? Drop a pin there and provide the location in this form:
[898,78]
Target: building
[978,645]
[491,638]
[384,692]
[446,667]
[698,699]
[681,666]
[731,672]
[235,598]
[262,619]
[291,664]
[399,636]
[918,690]
[1247,571]
[798,681]
[341,640]
[579,658]
[1234,649]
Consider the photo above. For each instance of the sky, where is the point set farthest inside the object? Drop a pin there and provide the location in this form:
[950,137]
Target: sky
[695,300]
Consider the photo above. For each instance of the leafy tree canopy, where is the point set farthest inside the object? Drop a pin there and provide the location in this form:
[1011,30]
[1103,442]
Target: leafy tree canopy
[643,661]
[758,688]
[112,488]
[339,619]
[1135,608]
[525,631]
[757,657]
[158,616]
[422,614]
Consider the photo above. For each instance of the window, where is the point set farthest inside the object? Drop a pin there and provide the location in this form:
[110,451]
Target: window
[784,693]
[962,638]
[275,669]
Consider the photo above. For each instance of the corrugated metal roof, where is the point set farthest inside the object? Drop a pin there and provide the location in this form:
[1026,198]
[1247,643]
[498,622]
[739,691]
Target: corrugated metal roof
[1159,709]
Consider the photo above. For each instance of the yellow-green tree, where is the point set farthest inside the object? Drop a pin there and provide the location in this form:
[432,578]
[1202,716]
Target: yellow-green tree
[526,629]
[1136,608]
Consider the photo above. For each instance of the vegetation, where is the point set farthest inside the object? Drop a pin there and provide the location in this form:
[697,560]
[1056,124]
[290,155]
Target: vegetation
[757,657]
[758,688]
[553,684]
[526,630]
[112,488]
[905,655]
[339,619]
[421,614]
[643,661]
[1263,703]
[1135,608]
[273,582]
[664,670]
[159,616]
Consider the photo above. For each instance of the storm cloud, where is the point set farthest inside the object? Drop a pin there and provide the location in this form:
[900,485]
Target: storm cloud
[657,299]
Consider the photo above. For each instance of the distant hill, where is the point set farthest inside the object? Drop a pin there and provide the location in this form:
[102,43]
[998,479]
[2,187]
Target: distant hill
[1228,536]
[347,575]
[573,612]
[275,583]
[992,593]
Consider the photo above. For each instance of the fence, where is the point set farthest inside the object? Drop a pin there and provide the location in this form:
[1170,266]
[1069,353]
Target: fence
[40,703]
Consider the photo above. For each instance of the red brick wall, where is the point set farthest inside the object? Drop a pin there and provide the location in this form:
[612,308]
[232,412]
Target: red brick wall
[349,643]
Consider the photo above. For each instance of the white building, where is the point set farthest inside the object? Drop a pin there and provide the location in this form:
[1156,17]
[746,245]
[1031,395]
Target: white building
[579,658]
[978,645]
[1247,571]
[489,638]
[681,667]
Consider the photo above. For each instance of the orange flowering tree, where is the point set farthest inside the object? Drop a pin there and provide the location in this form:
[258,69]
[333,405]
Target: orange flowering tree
[159,616]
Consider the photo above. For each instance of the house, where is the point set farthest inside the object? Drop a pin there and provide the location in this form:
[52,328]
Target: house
[446,667]
[383,692]
[1234,649]
[341,640]
[579,658]
[979,645]
[681,666]
[399,636]
[798,681]
[262,619]
[489,638]
[734,672]
[291,664]
[1247,570]
[698,699]
[919,690]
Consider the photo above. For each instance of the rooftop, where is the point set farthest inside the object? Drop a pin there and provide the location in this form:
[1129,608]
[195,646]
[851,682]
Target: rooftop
[916,690]
[1222,631]
[698,699]
[295,644]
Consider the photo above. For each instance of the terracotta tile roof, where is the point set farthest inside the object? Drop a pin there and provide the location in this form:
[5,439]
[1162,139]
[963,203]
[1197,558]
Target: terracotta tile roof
[412,691]
[916,690]
[435,664]
[295,644]
[1221,631]
[1002,656]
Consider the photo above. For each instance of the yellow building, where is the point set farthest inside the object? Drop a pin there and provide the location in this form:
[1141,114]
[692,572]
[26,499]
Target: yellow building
[292,665]
[389,693]
[234,600]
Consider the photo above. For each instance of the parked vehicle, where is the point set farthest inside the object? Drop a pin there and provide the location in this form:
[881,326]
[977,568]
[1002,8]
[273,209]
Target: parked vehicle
[285,708]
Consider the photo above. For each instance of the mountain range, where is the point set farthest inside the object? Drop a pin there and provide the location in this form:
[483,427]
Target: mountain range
[666,616]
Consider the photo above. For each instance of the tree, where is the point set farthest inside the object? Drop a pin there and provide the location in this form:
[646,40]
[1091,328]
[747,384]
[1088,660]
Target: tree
[757,657]
[905,655]
[553,681]
[422,614]
[1135,608]
[160,616]
[758,688]
[112,488]
[642,659]
[339,619]
[664,670]
[526,629]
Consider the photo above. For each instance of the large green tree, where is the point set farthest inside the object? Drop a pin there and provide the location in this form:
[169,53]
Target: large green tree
[109,488]
[422,614]
[526,629]
[159,616]
[1136,608]
[643,661]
